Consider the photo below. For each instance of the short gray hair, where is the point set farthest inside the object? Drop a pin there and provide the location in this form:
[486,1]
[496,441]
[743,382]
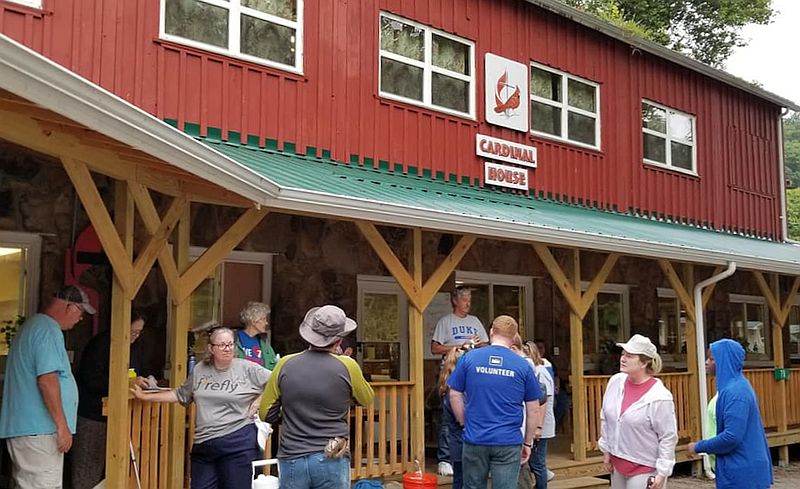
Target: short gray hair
[253,311]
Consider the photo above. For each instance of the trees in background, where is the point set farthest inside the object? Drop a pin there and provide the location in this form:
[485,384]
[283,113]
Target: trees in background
[791,155]
[707,30]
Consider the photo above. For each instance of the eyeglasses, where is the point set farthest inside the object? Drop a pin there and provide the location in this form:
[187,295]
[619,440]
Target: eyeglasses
[77,306]
[223,346]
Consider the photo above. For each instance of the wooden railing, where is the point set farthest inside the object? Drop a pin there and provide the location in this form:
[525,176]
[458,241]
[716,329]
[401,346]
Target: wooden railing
[766,388]
[678,383]
[150,440]
[381,433]
[380,436]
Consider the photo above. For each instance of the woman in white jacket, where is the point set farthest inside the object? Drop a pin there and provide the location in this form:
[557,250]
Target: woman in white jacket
[638,429]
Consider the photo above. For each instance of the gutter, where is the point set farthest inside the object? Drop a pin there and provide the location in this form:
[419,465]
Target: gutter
[599,25]
[784,217]
[700,333]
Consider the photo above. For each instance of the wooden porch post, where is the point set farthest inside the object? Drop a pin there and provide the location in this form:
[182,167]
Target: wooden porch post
[179,349]
[779,313]
[579,304]
[576,364]
[416,338]
[117,443]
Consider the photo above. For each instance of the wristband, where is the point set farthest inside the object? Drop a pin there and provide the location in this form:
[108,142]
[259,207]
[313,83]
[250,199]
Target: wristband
[529,445]
[538,427]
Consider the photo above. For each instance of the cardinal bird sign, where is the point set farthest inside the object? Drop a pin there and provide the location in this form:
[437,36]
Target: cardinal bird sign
[506,87]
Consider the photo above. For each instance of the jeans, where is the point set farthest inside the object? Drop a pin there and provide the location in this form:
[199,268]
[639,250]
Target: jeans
[225,462]
[314,471]
[538,463]
[458,475]
[443,451]
[502,461]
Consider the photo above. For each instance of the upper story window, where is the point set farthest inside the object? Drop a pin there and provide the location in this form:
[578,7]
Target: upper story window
[262,31]
[565,107]
[28,3]
[424,66]
[668,138]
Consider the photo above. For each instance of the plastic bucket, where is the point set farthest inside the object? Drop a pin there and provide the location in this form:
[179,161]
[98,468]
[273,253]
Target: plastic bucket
[420,481]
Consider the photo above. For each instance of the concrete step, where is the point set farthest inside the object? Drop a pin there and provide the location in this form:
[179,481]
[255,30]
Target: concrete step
[578,483]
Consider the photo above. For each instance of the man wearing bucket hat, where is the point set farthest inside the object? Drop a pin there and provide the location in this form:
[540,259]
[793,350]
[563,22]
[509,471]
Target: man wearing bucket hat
[40,396]
[638,428]
[313,389]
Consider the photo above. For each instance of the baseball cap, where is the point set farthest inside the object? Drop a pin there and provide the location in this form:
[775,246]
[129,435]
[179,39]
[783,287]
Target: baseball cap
[76,295]
[640,345]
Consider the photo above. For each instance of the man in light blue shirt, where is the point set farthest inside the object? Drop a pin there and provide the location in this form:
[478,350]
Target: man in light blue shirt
[40,397]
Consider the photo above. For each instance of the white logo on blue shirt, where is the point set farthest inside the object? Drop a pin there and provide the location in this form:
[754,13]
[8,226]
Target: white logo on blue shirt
[494,360]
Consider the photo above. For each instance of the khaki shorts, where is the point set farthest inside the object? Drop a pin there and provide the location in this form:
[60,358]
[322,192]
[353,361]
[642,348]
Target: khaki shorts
[37,463]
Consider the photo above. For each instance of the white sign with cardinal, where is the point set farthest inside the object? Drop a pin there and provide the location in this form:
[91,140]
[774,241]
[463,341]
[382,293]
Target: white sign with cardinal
[507,93]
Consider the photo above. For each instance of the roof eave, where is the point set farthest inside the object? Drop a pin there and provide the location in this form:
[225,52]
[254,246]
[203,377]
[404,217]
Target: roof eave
[37,79]
[656,49]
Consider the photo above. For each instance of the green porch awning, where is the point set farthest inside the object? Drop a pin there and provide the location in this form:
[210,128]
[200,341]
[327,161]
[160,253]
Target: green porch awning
[349,190]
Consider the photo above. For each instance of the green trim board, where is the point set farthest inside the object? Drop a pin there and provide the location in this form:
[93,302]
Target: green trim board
[353,191]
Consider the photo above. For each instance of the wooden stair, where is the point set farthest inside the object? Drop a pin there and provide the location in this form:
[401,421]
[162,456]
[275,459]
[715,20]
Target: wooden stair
[578,483]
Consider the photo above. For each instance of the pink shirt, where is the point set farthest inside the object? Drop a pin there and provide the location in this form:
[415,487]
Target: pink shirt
[633,392]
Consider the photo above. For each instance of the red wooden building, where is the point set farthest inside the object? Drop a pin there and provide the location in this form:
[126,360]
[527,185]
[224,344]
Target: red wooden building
[602,142]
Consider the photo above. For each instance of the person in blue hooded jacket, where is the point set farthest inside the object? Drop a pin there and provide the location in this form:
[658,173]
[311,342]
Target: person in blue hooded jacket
[743,458]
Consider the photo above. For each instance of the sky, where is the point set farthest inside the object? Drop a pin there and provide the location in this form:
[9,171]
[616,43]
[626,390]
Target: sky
[771,57]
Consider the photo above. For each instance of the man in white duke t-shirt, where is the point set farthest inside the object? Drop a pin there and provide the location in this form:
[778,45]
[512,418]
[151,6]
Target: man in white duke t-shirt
[455,330]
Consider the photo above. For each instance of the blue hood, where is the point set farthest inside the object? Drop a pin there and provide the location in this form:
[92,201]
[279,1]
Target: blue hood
[729,357]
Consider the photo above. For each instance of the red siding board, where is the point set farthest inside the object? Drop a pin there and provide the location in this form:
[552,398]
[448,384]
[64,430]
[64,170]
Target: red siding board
[334,104]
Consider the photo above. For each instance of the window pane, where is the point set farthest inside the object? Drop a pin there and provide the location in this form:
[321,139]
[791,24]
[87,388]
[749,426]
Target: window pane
[403,39]
[545,118]
[748,328]
[480,303]
[681,156]
[655,148]
[671,327]
[581,95]
[281,8]
[401,79]
[794,332]
[510,300]
[580,128]
[197,21]
[380,317]
[449,92]
[267,40]
[12,294]
[450,55]
[680,126]
[654,118]
[546,84]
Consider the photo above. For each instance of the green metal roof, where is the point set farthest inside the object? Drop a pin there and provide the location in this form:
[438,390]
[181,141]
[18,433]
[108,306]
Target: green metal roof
[346,190]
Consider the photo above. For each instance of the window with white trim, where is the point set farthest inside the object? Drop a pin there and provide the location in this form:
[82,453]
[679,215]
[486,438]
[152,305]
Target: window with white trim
[668,137]
[424,66]
[606,323]
[565,107]
[28,3]
[750,326]
[262,31]
[672,320]
[19,266]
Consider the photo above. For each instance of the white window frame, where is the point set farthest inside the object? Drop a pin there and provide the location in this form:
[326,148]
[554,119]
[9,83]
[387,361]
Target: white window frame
[770,348]
[377,284]
[667,293]
[33,246]
[666,136]
[37,4]
[623,290]
[566,108]
[428,68]
[235,10]
[524,281]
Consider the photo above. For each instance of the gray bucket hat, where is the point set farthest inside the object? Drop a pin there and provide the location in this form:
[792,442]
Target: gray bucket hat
[324,325]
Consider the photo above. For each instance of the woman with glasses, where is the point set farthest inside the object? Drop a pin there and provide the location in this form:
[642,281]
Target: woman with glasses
[252,341]
[222,388]
[89,447]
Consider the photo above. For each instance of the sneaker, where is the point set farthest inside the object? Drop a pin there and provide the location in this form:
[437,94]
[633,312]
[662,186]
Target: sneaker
[445,469]
[550,475]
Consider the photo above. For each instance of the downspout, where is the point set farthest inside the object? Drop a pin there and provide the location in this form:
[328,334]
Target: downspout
[782,175]
[700,334]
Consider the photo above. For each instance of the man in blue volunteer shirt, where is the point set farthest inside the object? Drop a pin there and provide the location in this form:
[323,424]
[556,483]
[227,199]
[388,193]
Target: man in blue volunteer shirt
[743,458]
[490,389]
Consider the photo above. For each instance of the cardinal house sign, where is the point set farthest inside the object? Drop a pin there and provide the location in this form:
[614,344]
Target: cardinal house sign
[506,88]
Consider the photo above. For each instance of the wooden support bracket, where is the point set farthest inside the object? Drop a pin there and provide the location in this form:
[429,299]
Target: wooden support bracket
[780,309]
